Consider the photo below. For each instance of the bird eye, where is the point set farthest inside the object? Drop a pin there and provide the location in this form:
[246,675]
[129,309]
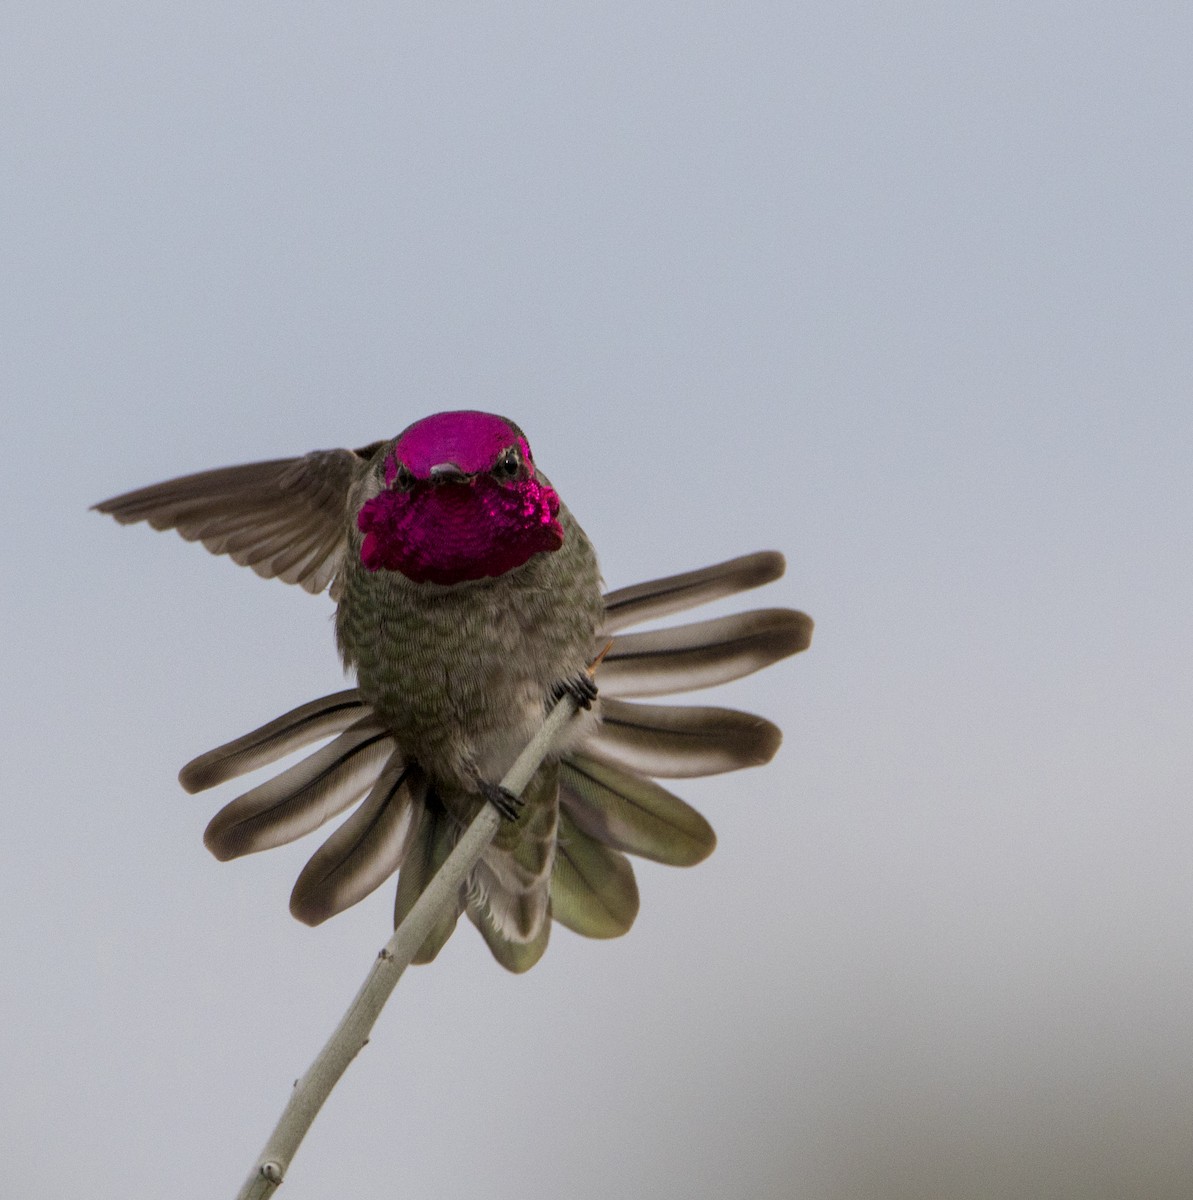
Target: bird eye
[508,466]
[403,479]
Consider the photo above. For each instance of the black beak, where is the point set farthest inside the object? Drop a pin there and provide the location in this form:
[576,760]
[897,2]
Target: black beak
[447,473]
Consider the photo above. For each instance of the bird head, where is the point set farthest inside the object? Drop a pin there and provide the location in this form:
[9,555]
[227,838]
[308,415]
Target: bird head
[462,500]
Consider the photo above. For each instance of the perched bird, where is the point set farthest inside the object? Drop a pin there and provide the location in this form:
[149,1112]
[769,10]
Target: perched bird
[467,599]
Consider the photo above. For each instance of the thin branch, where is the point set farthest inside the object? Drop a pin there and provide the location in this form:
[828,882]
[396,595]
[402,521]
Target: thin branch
[352,1033]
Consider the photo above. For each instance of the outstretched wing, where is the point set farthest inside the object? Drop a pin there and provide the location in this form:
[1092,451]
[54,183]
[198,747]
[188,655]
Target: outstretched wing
[285,518]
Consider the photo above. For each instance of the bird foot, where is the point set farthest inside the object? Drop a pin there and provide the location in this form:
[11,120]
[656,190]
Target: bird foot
[581,687]
[502,799]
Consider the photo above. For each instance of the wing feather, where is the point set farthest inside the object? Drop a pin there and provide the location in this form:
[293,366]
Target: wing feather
[286,518]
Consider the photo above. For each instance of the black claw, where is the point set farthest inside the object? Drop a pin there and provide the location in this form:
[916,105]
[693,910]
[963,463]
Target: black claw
[581,687]
[502,799]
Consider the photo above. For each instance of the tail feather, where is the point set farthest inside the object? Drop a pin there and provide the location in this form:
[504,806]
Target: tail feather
[513,955]
[674,741]
[301,798]
[675,593]
[626,812]
[291,731]
[593,891]
[565,858]
[512,879]
[366,849]
[432,842]
[703,654]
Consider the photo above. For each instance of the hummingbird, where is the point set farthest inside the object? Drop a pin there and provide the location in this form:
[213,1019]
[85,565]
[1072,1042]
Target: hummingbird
[468,599]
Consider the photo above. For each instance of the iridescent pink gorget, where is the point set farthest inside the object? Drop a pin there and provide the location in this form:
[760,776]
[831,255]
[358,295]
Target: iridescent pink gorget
[462,502]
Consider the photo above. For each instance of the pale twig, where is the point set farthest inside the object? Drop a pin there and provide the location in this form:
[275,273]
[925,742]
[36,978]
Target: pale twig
[352,1033]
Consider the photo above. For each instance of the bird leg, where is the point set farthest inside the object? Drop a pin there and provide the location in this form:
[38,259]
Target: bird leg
[502,799]
[581,687]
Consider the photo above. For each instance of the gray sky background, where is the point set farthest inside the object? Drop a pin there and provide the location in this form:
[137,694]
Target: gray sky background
[902,290]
